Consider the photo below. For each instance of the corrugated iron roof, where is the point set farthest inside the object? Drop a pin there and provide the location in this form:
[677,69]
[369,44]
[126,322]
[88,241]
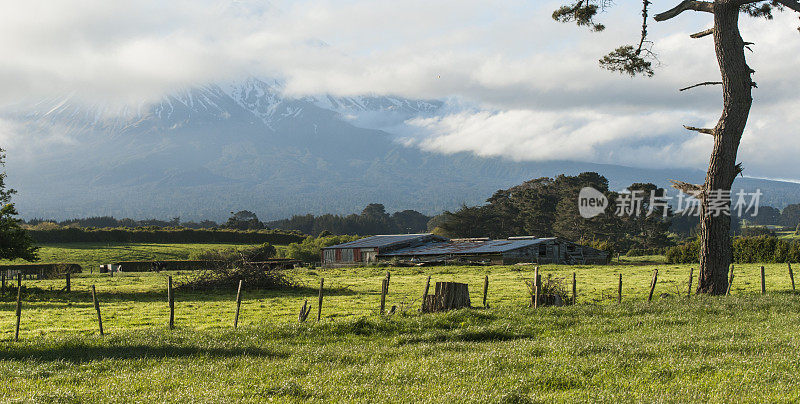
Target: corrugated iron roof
[467,247]
[380,241]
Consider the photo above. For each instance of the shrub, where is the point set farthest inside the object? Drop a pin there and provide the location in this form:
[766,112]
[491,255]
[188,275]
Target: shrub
[550,286]
[757,231]
[310,249]
[233,255]
[686,253]
[227,276]
[746,250]
[639,252]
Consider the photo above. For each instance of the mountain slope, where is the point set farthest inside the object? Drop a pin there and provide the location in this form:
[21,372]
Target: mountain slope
[206,151]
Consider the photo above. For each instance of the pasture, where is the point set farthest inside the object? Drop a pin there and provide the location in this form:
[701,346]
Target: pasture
[675,349]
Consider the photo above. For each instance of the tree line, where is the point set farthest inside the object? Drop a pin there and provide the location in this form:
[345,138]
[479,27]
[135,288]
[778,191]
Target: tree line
[548,207]
[373,219]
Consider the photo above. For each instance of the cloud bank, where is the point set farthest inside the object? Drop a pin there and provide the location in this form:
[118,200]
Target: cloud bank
[535,87]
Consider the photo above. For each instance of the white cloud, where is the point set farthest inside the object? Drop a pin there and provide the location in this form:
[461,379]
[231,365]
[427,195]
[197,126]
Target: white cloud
[540,80]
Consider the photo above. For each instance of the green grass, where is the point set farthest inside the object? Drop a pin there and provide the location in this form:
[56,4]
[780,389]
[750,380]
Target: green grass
[92,255]
[675,349]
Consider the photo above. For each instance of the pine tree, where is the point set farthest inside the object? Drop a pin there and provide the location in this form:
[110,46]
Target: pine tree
[15,242]
[737,85]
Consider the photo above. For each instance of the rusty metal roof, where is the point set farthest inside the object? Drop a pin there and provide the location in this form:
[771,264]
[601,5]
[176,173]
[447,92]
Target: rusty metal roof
[385,240]
[467,247]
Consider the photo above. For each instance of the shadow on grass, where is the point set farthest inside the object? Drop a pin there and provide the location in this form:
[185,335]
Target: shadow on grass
[90,353]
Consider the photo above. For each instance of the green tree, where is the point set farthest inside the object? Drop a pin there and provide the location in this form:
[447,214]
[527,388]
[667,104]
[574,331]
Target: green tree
[790,215]
[737,85]
[244,220]
[15,242]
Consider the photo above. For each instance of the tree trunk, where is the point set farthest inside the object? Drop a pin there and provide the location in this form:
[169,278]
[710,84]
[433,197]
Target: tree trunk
[448,296]
[715,241]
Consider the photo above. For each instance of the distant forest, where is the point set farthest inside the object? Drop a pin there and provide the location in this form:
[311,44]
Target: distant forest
[372,220]
[541,207]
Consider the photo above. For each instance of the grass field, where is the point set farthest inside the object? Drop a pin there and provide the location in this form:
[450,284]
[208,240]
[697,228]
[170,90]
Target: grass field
[675,349]
[92,255]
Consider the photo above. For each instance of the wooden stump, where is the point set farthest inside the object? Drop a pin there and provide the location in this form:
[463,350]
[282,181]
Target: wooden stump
[447,296]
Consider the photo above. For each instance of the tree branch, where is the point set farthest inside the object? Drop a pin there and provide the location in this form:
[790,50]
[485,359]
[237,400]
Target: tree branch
[702,33]
[688,5]
[694,190]
[701,130]
[705,83]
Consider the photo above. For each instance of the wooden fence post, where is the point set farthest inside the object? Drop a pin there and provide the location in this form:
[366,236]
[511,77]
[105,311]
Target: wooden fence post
[791,274]
[68,287]
[730,282]
[319,308]
[536,280]
[763,284]
[3,276]
[653,285]
[691,277]
[384,286]
[574,288]
[171,301]
[619,291]
[485,290]
[238,304]
[19,306]
[96,302]
[425,293]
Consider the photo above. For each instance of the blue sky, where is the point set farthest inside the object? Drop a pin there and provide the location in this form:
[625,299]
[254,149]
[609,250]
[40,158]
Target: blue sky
[532,86]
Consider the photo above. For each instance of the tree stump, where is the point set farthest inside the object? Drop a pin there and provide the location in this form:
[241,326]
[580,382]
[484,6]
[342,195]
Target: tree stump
[448,296]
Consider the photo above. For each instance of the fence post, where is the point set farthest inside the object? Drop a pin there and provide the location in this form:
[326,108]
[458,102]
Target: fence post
[763,285]
[485,290]
[791,273]
[574,288]
[384,287]
[68,286]
[19,306]
[96,302]
[319,308]
[653,285]
[238,304]
[536,281]
[730,282]
[171,301]
[3,276]
[425,294]
[619,291]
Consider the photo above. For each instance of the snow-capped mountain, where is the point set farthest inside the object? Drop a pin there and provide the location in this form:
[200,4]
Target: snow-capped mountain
[205,151]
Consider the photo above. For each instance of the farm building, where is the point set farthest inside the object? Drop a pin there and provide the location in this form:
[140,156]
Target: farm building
[429,248]
[368,249]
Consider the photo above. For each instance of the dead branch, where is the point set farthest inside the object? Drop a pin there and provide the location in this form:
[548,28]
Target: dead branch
[686,5]
[702,33]
[701,130]
[694,190]
[705,83]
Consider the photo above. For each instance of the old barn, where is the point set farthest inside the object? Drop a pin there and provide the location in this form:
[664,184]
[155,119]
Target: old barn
[421,248]
[368,249]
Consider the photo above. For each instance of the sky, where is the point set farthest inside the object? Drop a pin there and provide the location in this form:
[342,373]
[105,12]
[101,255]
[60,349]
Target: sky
[521,85]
